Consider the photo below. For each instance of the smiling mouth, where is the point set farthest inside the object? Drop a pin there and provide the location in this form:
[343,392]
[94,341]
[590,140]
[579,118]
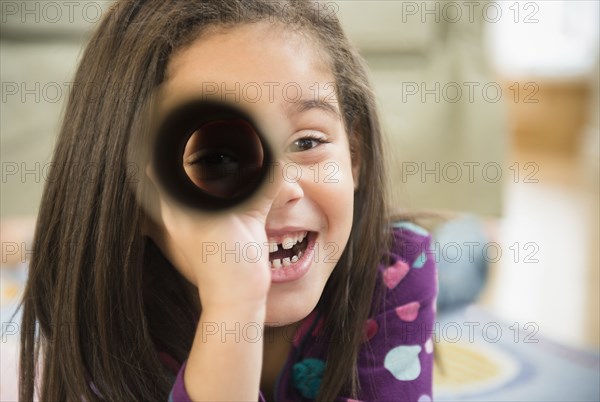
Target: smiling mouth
[284,257]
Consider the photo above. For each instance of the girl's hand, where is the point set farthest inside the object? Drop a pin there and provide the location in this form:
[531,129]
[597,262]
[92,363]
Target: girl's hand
[225,253]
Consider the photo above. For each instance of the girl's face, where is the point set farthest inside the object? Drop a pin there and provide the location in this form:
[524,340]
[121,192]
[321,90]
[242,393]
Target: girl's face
[318,178]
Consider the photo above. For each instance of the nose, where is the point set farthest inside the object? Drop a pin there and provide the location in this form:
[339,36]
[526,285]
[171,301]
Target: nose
[290,185]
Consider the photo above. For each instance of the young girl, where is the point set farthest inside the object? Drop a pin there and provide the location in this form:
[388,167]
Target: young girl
[126,300]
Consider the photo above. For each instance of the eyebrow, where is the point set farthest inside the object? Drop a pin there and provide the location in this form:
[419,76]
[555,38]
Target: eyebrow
[304,105]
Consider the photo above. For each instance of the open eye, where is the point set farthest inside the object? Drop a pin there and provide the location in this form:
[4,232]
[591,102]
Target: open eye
[212,164]
[211,158]
[223,157]
[306,143]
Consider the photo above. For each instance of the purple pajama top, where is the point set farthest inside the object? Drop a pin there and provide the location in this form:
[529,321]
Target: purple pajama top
[395,362]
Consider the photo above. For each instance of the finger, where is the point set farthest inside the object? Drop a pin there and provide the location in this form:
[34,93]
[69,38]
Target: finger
[266,194]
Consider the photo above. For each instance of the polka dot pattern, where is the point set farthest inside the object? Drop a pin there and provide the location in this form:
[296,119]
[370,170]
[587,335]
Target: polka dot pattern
[403,362]
[371,329]
[429,346]
[394,274]
[420,261]
[408,312]
[393,355]
[307,375]
[412,228]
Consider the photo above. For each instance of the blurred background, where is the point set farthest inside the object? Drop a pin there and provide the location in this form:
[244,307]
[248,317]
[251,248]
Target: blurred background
[491,113]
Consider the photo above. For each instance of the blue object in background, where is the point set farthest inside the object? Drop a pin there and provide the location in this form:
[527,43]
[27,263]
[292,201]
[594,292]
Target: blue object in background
[459,247]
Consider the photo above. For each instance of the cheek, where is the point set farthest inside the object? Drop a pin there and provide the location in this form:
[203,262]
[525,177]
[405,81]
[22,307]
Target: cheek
[341,202]
[333,195]
[337,182]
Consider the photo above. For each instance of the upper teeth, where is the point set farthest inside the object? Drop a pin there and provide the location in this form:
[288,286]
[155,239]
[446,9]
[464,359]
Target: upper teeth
[287,242]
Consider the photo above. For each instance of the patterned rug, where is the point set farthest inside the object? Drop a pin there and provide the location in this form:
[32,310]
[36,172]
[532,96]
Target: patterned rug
[482,358]
[485,359]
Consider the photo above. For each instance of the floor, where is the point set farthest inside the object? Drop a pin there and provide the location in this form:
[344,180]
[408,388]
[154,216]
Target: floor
[548,276]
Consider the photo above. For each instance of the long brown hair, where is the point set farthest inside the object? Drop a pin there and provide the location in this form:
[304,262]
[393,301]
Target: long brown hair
[97,303]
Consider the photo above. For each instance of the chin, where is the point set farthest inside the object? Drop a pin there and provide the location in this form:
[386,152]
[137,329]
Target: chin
[288,308]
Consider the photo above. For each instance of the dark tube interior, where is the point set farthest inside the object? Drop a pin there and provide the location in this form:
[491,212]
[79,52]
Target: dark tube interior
[210,155]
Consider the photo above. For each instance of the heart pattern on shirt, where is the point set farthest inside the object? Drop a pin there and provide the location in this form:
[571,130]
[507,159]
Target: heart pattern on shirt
[371,329]
[395,273]
[408,311]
